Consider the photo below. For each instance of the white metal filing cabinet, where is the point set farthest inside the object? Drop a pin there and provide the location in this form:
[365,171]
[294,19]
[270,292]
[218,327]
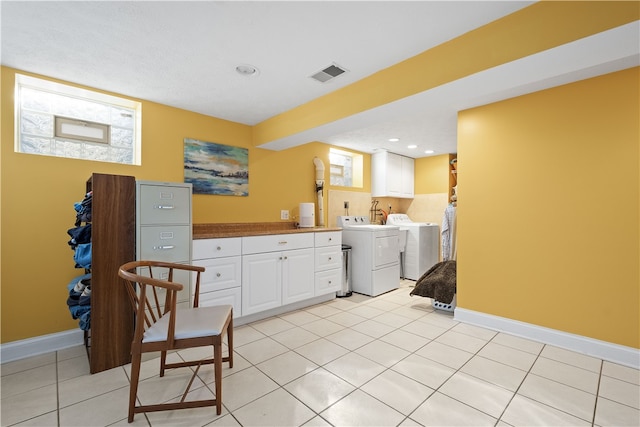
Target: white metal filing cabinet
[221,282]
[163,228]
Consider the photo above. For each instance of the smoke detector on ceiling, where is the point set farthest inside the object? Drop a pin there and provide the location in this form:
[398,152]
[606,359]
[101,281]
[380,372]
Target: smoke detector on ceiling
[329,73]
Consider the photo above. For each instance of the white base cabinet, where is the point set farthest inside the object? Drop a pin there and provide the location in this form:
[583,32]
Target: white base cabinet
[328,262]
[276,270]
[221,281]
[262,284]
[260,273]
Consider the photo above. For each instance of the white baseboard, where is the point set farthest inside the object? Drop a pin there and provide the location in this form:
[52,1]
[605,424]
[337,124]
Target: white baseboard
[16,350]
[611,352]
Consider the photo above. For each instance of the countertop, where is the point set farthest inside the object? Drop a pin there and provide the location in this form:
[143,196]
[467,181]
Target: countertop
[215,230]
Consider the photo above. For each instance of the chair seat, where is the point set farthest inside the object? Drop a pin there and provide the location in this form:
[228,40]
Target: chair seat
[190,323]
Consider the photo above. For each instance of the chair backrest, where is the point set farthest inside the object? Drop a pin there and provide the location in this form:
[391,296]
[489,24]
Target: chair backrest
[153,298]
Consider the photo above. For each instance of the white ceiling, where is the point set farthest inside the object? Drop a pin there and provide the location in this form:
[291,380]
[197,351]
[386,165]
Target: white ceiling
[184,54]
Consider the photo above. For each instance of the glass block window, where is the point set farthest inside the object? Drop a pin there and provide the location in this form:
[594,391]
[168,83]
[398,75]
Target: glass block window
[54,119]
[345,169]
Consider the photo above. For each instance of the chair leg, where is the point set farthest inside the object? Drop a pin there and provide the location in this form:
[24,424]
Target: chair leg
[136,359]
[163,362]
[217,364]
[230,342]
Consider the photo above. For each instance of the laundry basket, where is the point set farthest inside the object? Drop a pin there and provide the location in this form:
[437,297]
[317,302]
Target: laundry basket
[438,305]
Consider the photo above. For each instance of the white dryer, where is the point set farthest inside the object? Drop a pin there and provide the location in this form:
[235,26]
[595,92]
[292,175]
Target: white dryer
[423,243]
[375,267]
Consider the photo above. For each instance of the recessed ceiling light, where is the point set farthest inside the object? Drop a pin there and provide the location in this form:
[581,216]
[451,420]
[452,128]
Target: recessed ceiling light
[394,139]
[247,70]
[428,152]
[412,146]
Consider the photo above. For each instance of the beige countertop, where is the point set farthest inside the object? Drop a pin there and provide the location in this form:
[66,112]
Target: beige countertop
[215,230]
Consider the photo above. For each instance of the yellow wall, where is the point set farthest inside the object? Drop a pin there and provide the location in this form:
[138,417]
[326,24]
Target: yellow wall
[549,213]
[432,174]
[38,193]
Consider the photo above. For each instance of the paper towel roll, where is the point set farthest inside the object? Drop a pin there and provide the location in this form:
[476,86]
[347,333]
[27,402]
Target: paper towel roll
[307,214]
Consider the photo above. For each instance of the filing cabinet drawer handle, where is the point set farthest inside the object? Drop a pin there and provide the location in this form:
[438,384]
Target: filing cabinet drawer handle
[164,247]
[164,207]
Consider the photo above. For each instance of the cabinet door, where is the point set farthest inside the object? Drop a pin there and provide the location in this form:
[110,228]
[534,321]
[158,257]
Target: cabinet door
[216,248]
[226,296]
[328,257]
[394,175]
[297,275]
[165,243]
[328,281]
[180,276]
[408,166]
[220,273]
[261,282]
[164,204]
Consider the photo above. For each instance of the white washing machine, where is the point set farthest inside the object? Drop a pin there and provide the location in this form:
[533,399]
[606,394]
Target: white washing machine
[423,245]
[375,267]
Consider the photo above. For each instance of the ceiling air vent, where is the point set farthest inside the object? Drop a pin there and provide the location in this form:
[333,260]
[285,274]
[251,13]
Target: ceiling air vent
[328,73]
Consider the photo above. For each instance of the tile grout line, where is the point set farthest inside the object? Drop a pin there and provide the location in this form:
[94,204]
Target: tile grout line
[595,406]
[515,393]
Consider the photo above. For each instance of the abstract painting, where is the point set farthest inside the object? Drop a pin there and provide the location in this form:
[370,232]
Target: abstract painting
[215,168]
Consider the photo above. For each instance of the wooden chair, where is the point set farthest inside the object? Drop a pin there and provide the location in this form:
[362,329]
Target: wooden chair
[159,326]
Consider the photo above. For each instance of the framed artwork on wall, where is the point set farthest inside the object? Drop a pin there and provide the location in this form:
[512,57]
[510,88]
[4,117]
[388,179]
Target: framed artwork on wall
[216,168]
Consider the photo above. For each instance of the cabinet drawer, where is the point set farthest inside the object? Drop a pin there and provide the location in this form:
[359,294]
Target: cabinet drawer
[179,276]
[276,242]
[328,238]
[216,248]
[222,273]
[165,243]
[227,296]
[328,257]
[164,204]
[328,281]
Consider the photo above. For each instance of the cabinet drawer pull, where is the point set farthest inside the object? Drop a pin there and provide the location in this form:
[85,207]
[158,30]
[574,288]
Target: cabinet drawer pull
[282,242]
[164,247]
[218,248]
[218,274]
[164,207]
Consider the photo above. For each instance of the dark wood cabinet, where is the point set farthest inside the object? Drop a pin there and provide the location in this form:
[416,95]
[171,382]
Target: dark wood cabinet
[113,231]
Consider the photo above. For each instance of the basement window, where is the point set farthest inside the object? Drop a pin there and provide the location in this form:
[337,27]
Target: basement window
[59,120]
[81,130]
[345,168]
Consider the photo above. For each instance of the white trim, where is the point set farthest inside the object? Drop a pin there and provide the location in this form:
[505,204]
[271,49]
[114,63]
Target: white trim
[611,352]
[16,350]
[47,343]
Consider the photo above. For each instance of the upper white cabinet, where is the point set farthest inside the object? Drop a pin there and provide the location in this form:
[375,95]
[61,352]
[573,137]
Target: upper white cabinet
[392,175]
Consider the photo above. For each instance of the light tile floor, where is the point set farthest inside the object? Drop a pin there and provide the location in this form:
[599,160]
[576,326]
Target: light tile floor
[385,361]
